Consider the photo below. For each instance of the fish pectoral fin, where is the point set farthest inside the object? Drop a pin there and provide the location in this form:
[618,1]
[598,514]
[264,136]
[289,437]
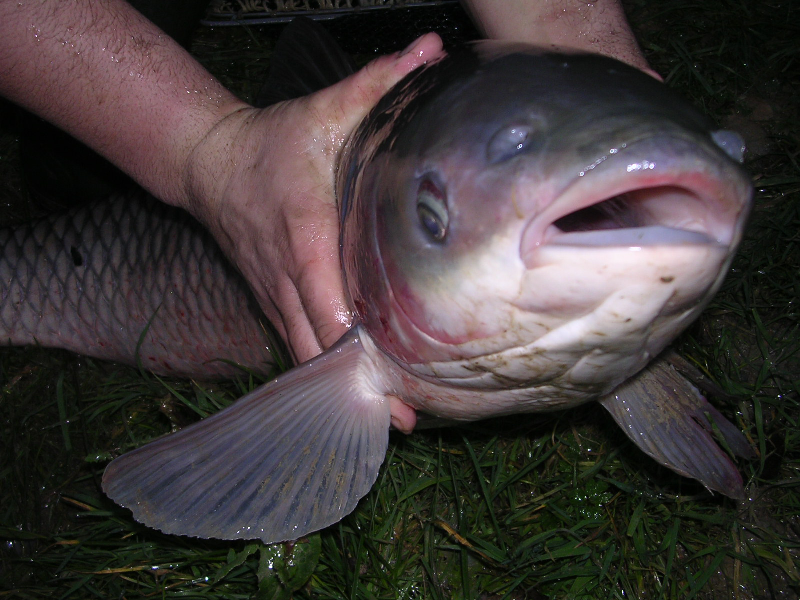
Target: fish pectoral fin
[671,421]
[289,458]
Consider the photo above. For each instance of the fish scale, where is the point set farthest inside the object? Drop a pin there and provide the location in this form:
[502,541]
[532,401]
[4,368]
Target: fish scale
[130,280]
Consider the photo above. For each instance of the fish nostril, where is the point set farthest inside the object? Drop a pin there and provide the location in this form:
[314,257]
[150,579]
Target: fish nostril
[731,142]
[510,141]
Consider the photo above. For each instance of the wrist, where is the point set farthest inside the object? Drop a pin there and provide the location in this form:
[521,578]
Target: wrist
[211,162]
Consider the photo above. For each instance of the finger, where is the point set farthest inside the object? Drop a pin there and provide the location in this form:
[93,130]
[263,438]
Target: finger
[324,307]
[353,97]
[404,418]
[300,335]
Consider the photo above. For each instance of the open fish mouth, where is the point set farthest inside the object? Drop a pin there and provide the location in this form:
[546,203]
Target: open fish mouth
[624,220]
[679,195]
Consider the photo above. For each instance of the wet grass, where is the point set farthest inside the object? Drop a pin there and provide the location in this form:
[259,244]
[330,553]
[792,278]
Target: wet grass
[559,506]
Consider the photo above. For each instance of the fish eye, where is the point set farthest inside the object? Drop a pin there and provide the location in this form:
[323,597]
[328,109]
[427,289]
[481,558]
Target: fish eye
[510,141]
[432,210]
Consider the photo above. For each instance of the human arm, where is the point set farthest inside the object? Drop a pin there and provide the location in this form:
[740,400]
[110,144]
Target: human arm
[261,181]
[592,26]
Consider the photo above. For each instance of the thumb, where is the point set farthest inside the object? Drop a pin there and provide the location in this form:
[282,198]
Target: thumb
[353,97]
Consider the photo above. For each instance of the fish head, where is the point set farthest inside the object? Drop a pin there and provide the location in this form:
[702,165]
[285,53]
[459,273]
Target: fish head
[514,217]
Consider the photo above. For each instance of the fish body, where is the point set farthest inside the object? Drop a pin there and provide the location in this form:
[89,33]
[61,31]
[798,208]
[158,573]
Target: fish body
[132,280]
[521,231]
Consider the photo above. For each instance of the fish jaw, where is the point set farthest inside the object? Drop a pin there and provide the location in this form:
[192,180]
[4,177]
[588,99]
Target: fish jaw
[628,281]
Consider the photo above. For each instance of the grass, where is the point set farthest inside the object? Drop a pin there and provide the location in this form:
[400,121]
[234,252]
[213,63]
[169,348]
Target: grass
[554,506]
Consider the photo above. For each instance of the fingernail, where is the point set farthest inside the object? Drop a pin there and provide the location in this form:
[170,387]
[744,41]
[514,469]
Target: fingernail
[411,46]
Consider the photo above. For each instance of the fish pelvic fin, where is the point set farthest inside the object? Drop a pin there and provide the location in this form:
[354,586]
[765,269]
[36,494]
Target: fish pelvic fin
[306,59]
[668,418]
[289,458]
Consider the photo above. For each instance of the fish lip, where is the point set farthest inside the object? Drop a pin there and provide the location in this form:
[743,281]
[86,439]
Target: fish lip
[708,188]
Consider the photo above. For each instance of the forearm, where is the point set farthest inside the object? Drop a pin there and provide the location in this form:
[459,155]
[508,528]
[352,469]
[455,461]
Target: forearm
[102,72]
[595,26]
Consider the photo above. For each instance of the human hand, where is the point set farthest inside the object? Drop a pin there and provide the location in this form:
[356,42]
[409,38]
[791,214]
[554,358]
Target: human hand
[262,181]
[597,26]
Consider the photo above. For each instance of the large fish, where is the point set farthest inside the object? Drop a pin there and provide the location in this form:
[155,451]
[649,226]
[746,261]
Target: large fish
[521,231]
